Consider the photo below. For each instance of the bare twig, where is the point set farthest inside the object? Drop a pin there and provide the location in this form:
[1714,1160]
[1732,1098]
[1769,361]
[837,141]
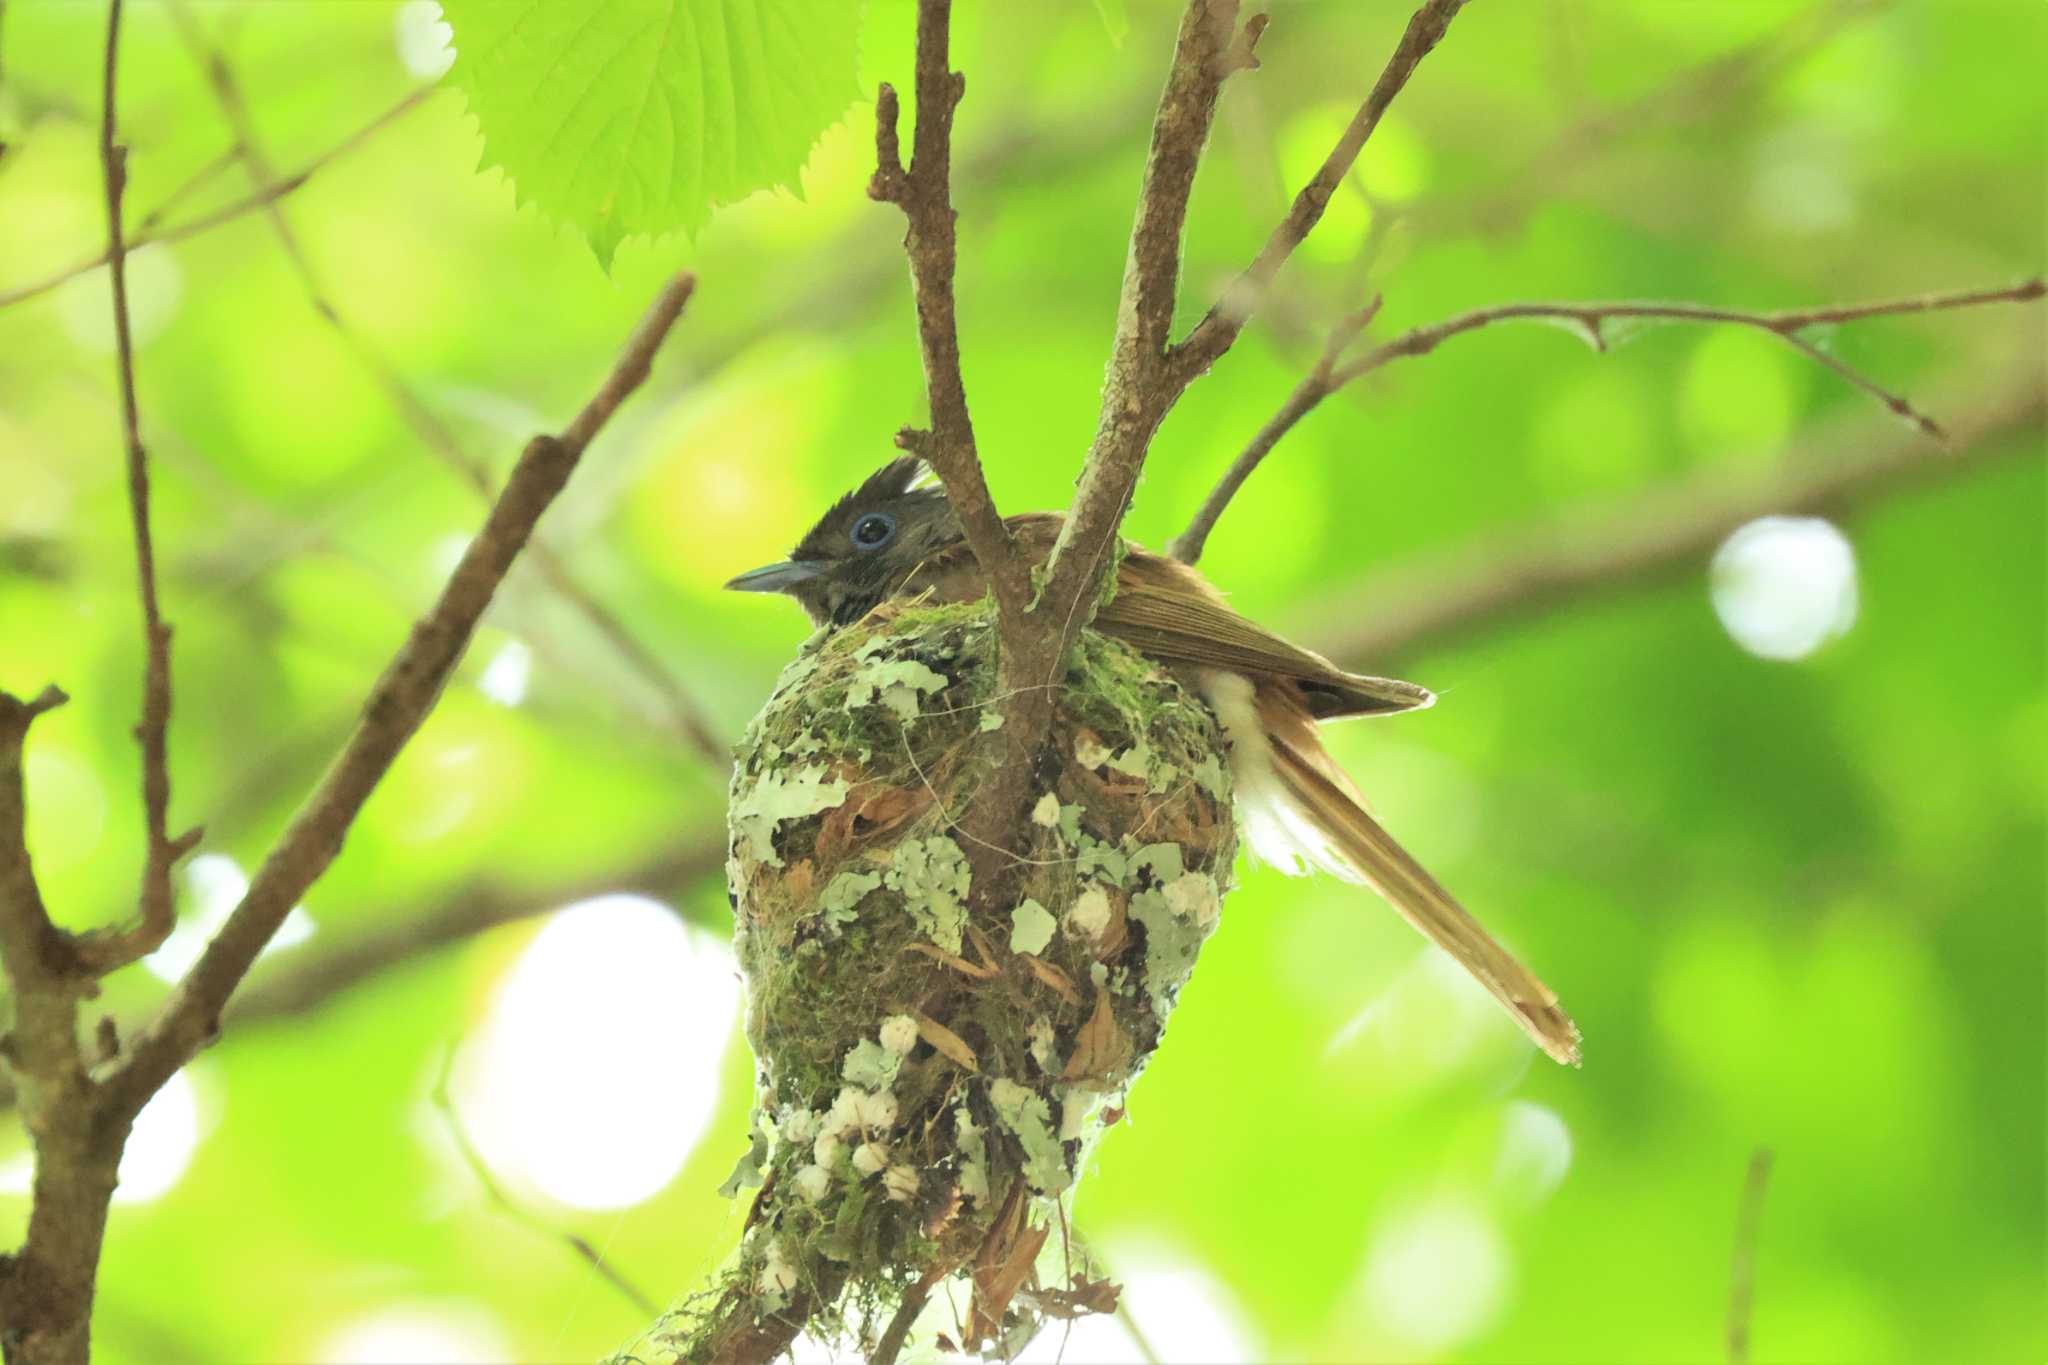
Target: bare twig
[117,949]
[1725,80]
[290,984]
[147,235]
[924,192]
[1590,319]
[1513,574]
[1215,333]
[685,716]
[1742,1273]
[395,708]
[579,1246]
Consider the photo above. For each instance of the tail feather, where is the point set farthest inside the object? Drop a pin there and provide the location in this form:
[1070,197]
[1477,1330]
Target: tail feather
[1423,902]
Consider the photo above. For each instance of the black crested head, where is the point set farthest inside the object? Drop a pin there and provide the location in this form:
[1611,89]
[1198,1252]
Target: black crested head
[865,547]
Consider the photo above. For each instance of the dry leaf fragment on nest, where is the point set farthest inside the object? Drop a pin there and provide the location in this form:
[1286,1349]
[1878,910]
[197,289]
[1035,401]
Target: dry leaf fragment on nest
[953,960]
[1000,1267]
[1080,1299]
[871,810]
[1062,985]
[945,1040]
[1102,1047]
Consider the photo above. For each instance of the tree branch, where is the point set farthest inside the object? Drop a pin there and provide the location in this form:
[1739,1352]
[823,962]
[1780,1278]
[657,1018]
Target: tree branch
[116,949]
[1215,333]
[395,708]
[924,193]
[1742,1272]
[1328,376]
[147,233]
[1508,574]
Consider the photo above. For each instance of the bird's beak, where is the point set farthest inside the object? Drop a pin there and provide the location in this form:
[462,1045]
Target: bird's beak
[777,577]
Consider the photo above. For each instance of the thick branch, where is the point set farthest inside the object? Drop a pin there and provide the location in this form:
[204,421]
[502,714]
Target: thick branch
[1591,319]
[924,193]
[1510,575]
[395,708]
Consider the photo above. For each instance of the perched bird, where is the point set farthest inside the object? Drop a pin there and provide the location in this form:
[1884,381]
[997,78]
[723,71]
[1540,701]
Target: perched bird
[896,536]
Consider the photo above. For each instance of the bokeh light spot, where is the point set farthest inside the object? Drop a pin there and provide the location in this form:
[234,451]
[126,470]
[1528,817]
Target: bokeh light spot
[1437,1274]
[610,993]
[1182,1310]
[505,677]
[1785,586]
[439,1334]
[214,886]
[424,40]
[161,1144]
[1535,1153]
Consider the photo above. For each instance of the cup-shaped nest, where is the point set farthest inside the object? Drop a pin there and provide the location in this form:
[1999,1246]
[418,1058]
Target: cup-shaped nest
[933,1075]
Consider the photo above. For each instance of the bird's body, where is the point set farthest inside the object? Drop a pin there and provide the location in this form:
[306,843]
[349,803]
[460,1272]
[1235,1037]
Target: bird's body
[891,538]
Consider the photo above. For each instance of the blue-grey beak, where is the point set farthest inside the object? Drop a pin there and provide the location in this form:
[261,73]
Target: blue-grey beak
[777,577]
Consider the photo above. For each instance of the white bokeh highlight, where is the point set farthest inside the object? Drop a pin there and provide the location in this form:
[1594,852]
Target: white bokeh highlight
[422,1334]
[214,886]
[505,678]
[616,1007]
[1535,1153]
[423,39]
[1185,1313]
[161,1144]
[1785,586]
[1436,1274]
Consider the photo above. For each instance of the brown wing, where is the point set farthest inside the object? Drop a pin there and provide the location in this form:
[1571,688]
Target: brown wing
[1167,610]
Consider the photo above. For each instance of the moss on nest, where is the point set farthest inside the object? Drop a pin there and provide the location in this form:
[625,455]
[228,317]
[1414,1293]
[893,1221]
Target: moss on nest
[931,1080]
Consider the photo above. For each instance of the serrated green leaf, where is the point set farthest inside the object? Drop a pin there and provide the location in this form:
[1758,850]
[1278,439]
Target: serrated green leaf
[622,117]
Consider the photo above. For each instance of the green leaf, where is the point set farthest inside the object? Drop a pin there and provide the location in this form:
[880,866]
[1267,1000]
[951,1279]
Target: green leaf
[620,117]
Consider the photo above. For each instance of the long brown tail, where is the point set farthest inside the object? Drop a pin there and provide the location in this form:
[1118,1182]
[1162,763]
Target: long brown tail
[1389,870]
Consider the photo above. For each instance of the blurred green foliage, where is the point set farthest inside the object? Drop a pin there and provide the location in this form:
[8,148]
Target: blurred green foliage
[1795,905]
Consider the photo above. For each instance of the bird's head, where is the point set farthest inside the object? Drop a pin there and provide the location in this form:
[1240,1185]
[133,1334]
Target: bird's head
[865,548]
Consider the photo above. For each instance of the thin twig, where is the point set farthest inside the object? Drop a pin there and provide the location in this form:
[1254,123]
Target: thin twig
[1742,1273]
[290,184]
[117,949]
[1215,333]
[1591,319]
[294,982]
[579,1246]
[394,711]
[1512,574]
[685,716]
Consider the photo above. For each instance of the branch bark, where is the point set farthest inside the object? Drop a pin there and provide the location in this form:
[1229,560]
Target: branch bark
[1329,375]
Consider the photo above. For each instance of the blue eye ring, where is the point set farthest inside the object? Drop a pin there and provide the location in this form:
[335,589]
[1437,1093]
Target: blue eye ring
[872,531]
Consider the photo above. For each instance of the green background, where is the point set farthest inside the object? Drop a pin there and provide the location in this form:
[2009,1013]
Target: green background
[1792,904]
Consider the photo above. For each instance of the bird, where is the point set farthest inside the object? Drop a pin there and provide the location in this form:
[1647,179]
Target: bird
[897,537]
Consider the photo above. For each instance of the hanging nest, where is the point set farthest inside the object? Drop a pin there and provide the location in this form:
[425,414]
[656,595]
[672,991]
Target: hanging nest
[933,1079]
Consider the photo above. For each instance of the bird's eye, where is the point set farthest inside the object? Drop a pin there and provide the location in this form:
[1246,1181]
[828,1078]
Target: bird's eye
[873,531]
